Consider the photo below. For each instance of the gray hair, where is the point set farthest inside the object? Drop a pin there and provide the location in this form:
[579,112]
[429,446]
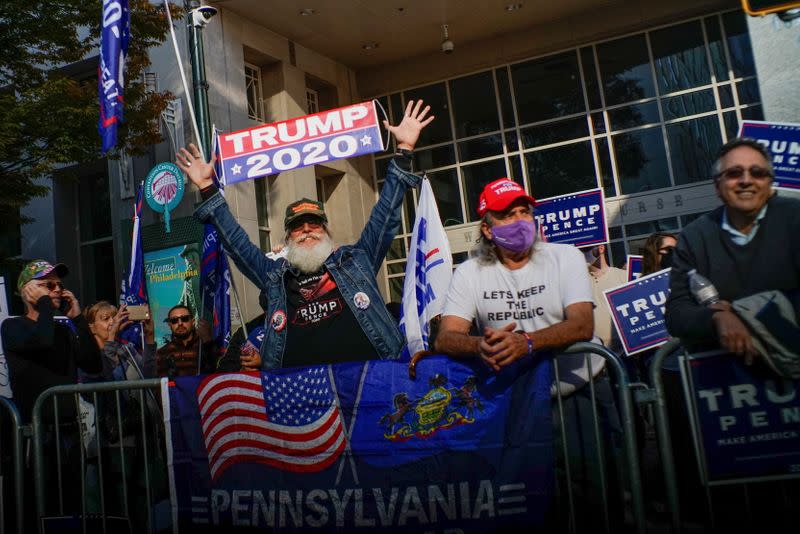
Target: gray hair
[735,143]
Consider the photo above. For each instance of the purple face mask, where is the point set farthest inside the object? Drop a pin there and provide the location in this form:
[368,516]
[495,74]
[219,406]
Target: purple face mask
[516,237]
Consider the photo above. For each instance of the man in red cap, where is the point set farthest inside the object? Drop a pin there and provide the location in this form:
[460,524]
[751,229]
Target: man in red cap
[527,296]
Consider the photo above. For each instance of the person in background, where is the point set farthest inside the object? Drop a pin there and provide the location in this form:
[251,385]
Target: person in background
[603,277]
[42,352]
[180,356]
[121,361]
[657,252]
[750,244]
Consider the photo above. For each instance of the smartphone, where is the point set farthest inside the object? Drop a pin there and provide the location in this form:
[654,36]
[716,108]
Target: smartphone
[139,312]
[65,305]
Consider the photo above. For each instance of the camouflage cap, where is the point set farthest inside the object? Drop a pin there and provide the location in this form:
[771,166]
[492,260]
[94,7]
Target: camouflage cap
[37,269]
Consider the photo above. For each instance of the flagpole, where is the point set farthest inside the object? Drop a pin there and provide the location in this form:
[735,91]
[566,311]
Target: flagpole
[238,307]
[200,341]
[185,83]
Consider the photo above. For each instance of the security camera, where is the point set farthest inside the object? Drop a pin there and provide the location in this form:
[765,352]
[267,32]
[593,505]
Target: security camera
[202,15]
[447,44]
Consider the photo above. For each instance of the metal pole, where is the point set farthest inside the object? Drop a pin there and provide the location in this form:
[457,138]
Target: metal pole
[662,427]
[199,83]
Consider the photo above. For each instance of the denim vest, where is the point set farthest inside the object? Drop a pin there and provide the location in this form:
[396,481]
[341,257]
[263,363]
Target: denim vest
[353,267]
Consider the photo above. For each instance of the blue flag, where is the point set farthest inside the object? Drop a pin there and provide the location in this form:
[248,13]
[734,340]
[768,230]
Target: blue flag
[134,290]
[111,71]
[215,279]
[362,445]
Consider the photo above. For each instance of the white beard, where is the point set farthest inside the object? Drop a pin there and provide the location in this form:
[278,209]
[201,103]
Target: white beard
[309,259]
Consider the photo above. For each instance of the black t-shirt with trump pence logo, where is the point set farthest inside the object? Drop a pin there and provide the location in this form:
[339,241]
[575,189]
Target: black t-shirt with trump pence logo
[321,326]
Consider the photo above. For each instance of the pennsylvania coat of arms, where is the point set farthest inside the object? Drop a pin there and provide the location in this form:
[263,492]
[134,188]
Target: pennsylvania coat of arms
[442,407]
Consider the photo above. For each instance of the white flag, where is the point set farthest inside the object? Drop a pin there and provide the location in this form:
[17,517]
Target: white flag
[428,272]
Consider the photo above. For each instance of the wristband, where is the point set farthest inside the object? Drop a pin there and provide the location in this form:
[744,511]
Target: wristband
[530,342]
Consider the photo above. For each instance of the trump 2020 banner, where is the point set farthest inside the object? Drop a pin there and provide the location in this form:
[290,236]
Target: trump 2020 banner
[362,446]
[746,420]
[783,141]
[294,143]
[575,219]
[637,309]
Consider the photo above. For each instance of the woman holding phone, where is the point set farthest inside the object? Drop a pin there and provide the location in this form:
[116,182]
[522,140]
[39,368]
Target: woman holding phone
[123,361]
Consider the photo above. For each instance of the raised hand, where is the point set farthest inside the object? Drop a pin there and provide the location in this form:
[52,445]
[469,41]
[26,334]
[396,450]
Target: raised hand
[407,132]
[191,163]
[120,322]
[74,309]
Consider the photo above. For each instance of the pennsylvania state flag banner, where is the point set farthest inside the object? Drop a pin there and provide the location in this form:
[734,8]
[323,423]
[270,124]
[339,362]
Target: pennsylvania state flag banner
[360,446]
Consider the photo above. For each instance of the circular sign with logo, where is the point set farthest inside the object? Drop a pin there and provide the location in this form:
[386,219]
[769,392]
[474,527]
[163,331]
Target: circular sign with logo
[163,189]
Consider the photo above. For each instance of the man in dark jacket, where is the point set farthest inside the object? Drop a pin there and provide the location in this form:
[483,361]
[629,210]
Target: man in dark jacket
[42,352]
[749,244]
[180,356]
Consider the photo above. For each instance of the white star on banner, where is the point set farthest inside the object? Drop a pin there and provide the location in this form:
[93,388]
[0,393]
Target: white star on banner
[366,140]
[236,169]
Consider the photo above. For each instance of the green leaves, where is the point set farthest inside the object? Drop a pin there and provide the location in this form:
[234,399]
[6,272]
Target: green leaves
[48,91]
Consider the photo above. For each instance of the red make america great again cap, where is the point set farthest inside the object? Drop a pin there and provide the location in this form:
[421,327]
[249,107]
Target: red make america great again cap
[499,195]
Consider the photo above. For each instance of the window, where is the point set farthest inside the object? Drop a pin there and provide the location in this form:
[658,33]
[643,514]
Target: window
[255,96]
[312,101]
[96,244]
[634,114]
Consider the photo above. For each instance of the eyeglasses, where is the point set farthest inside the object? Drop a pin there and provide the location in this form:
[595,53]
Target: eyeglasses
[313,224]
[53,285]
[735,173]
[181,318]
[665,250]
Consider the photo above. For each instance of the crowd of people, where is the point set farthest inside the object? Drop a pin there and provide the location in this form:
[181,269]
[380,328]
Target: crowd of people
[515,298]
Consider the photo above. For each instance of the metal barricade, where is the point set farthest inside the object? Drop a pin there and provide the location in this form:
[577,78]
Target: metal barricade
[17,456]
[45,433]
[672,476]
[626,412]
[663,433]
[58,435]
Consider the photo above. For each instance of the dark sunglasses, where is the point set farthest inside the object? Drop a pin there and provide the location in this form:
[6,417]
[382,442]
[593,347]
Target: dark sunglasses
[665,250]
[181,318]
[734,173]
[53,285]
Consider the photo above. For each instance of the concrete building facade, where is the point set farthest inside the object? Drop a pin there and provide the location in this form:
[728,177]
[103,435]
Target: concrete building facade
[632,97]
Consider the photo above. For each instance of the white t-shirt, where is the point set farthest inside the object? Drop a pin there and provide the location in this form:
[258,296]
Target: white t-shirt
[534,296]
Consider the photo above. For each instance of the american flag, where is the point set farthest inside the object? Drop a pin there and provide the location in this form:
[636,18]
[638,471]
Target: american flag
[287,421]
